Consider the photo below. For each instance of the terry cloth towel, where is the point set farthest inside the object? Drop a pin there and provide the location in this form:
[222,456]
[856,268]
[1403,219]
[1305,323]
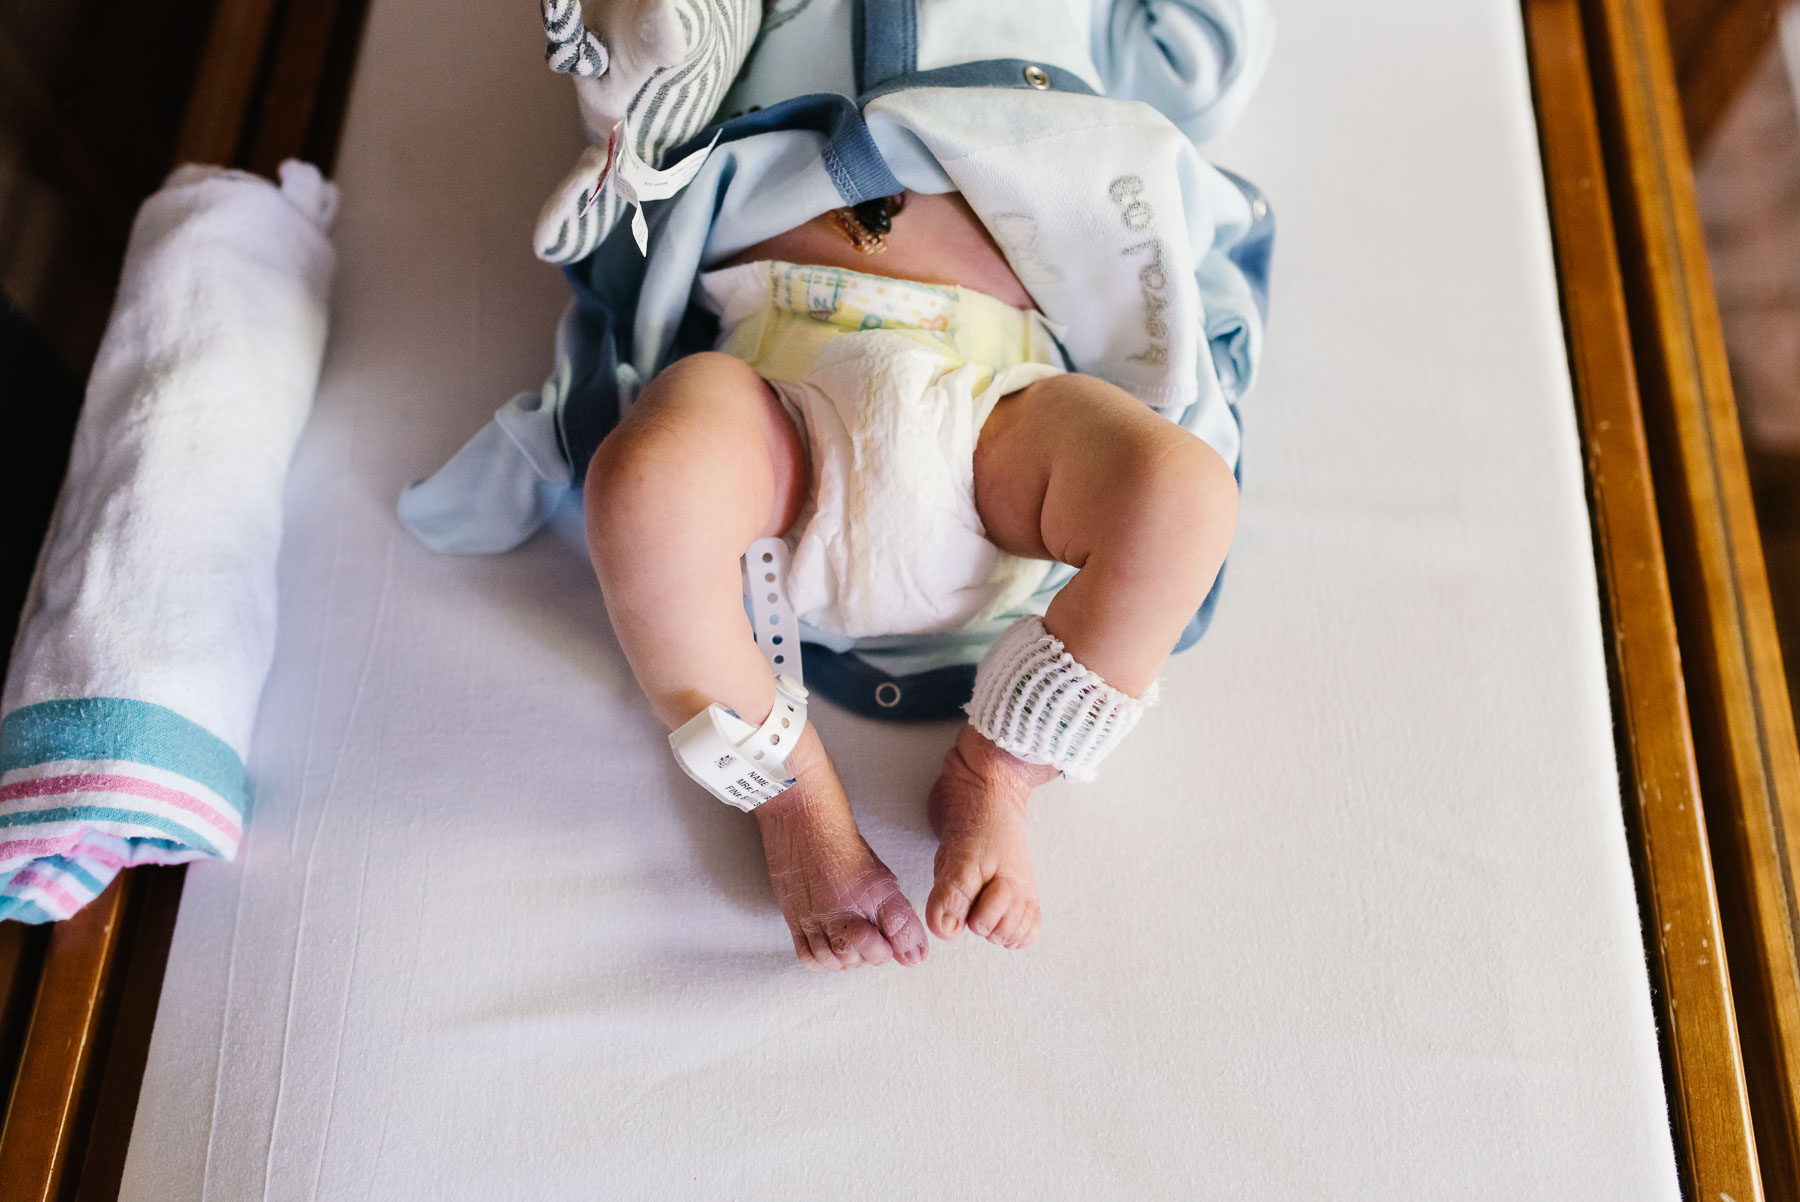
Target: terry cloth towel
[151,619]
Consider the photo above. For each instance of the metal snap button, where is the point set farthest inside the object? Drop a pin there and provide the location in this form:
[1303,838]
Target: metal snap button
[1259,208]
[1037,77]
[887,694]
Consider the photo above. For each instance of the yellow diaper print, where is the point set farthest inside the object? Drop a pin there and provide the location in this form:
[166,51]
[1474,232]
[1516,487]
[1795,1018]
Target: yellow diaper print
[809,306]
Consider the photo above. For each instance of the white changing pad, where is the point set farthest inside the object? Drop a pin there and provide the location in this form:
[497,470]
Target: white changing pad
[1349,917]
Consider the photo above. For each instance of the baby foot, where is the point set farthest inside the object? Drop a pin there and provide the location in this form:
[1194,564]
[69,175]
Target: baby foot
[842,905]
[983,867]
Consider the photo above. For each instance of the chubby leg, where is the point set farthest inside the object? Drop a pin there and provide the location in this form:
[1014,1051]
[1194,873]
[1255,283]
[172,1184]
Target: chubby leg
[1076,470]
[705,463]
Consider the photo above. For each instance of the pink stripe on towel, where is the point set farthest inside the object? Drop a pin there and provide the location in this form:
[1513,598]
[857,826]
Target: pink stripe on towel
[37,848]
[64,901]
[108,782]
[74,846]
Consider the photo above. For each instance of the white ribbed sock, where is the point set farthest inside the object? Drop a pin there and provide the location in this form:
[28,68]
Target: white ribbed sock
[1033,699]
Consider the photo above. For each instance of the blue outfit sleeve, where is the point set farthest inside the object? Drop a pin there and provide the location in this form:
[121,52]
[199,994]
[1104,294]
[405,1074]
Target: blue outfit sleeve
[1195,61]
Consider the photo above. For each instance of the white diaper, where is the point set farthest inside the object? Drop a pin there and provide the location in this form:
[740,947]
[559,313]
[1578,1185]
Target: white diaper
[890,382]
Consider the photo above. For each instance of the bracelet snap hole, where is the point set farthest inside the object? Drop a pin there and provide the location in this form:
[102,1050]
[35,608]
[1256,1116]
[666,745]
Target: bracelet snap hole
[769,577]
[774,739]
[780,659]
[776,640]
[768,558]
[887,695]
[785,723]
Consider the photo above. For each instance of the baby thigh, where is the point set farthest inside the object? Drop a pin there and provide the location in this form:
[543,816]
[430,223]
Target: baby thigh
[1075,469]
[704,463]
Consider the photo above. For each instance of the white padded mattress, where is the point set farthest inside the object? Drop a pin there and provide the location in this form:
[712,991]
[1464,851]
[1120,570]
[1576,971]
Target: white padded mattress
[1351,916]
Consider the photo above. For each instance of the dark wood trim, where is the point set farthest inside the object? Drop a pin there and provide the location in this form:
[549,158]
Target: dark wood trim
[291,99]
[1748,763]
[44,1134]
[219,109]
[273,83]
[1708,1104]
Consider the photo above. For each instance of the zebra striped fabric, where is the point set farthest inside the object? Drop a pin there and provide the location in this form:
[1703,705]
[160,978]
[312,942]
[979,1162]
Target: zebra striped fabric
[573,49]
[665,105]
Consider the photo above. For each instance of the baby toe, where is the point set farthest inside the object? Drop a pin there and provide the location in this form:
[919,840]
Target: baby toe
[856,941]
[1032,923]
[995,907]
[820,946]
[1018,927]
[951,895]
[900,925]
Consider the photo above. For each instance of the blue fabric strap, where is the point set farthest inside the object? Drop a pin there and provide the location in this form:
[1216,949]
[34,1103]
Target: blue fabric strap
[988,73]
[884,40]
[855,165]
[853,683]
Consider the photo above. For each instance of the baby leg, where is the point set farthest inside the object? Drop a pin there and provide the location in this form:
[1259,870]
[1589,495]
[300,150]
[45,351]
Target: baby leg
[705,463]
[1076,470]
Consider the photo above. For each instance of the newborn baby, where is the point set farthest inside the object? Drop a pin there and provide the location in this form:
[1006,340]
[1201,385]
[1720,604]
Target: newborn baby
[949,304]
[1067,467]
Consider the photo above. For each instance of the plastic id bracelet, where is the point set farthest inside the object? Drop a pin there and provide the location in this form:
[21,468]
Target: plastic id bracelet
[740,764]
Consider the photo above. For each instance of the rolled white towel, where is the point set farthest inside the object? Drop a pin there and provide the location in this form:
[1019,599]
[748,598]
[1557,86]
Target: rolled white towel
[150,624]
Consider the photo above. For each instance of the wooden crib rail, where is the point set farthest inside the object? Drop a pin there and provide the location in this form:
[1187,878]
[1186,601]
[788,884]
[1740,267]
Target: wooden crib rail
[1704,1072]
[1743,729]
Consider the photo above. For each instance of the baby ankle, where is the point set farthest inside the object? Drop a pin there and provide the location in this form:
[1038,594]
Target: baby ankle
[998,767]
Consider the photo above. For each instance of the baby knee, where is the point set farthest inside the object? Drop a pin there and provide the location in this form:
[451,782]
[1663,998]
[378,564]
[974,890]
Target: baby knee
[631,479]
[671,426]
[1174,477]
[1196,480]
[629,461]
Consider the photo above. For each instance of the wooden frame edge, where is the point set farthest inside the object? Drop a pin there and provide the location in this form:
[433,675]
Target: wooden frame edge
[1708,1102]
[1743,730]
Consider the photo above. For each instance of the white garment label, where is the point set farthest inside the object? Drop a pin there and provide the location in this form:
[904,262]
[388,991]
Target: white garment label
[637,182]
[742,765]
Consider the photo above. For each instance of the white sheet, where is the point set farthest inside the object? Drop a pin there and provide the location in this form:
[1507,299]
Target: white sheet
[1351,917]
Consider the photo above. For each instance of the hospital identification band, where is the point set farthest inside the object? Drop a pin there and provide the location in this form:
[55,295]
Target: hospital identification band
[740,764]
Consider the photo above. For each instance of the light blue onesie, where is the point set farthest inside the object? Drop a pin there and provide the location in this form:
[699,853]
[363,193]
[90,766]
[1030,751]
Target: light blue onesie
[1069,126]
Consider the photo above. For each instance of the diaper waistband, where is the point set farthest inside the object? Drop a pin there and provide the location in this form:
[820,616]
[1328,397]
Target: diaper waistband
[970,325]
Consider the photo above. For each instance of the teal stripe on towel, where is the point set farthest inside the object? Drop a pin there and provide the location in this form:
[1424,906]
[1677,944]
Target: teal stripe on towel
[113,728]
[73,868]
[183,836]
[20,910]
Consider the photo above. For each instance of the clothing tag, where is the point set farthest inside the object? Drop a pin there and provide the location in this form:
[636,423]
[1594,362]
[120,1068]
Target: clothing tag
[638,182]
